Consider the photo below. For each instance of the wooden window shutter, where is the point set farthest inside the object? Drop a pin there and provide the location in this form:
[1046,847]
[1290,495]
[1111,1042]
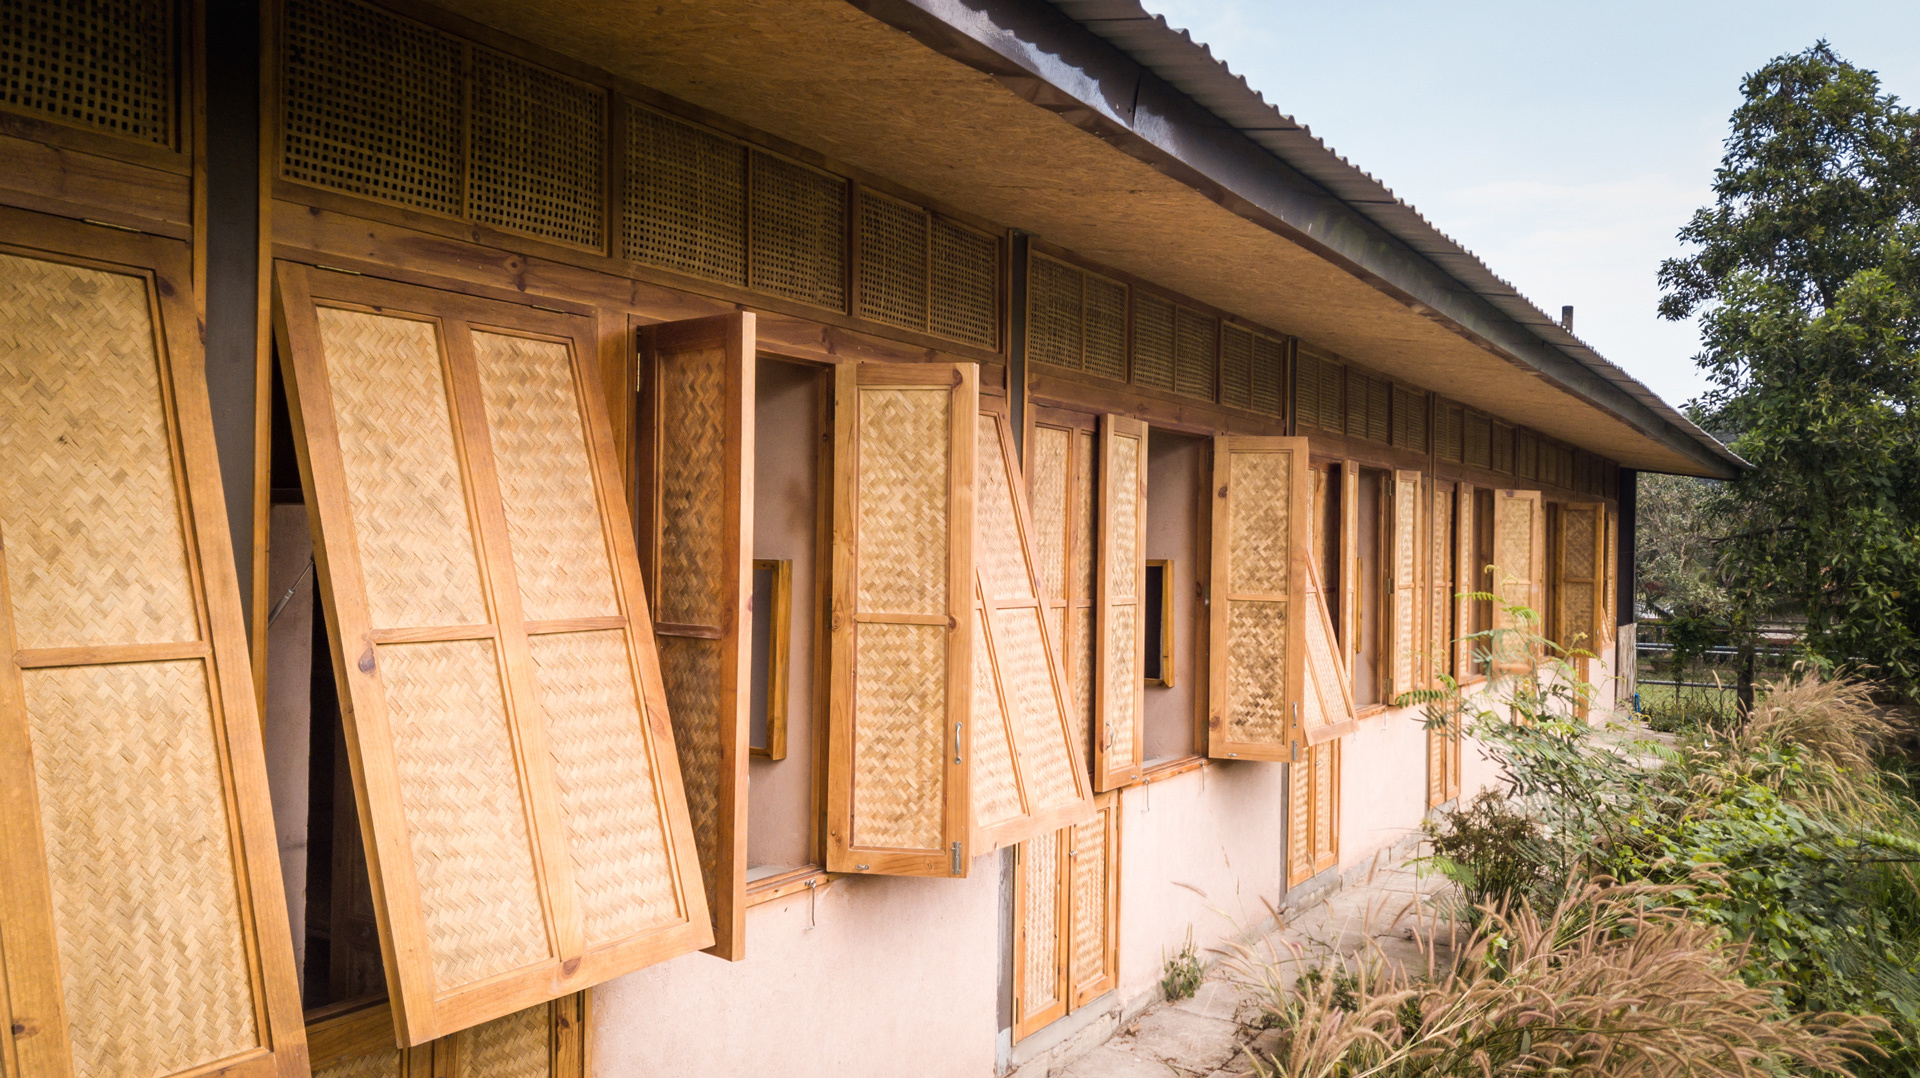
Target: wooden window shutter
[1578,574]
[1041,946]
[902,618]
[1519,574]
[1256,638]
[1093,903]
[547,1040]
[1467,580]
[525,825]
[695,532]
[1120,585]
[132,779]
[1061,447]
[1327,710]
[1313,812]
[1404,585]
[1349,624]
[1609,568]
[1439,647]
[1026,771]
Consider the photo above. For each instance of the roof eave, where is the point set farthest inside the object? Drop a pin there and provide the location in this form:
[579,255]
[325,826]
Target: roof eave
[1116,71]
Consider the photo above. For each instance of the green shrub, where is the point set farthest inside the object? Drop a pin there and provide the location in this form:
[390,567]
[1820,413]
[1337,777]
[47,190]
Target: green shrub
[1182,972]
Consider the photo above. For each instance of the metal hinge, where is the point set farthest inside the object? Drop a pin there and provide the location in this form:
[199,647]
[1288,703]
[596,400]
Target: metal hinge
[957,859]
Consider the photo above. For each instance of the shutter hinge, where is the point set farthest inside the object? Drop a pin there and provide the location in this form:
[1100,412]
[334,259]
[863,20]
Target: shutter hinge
[1296,750]
[957,859]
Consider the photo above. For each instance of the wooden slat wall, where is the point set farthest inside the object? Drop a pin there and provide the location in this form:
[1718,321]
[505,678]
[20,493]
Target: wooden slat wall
[525,822]
[1120,729]
[1256,640]
[903,618]
[696,547]
[132,776]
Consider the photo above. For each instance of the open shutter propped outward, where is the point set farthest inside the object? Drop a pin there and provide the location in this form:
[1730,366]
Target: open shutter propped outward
[1580,551]
[1027,774]
[1404,585]
[1467,580]
[696,554]
[1257,634]
[903,621]
[1119,733]
[1059,466]
[521,803]
[1519,574]
[142,924]
[1327,710]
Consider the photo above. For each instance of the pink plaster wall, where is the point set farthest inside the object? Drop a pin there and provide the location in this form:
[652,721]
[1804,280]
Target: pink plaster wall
[899,977]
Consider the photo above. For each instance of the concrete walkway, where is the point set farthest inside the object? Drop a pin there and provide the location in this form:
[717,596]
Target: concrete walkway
[1206,1036]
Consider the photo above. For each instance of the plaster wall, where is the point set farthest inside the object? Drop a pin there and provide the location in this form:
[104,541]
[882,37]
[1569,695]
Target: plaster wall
[1202,850]
[1175,463]
[887,976]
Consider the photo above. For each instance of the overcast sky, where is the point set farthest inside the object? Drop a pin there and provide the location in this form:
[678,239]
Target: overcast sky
[1563,143]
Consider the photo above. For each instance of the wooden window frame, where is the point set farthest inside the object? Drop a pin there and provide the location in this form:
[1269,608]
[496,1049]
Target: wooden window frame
[779,642]
[1118,761]
[1167,672]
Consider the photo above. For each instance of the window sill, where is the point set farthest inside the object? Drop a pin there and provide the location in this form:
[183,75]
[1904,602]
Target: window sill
[782,884]
[1371,710]
[1166,769]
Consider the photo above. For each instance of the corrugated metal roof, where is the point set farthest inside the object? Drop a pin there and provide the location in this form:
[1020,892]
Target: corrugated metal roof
[1191,68]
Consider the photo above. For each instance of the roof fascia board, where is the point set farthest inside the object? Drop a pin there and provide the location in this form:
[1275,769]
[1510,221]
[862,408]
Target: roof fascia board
[1047,58]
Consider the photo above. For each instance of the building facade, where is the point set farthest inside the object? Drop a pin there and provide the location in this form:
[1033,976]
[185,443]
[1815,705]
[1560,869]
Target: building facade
[827,538]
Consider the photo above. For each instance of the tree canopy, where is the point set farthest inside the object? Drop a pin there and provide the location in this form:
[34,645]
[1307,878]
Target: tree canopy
[1805,274]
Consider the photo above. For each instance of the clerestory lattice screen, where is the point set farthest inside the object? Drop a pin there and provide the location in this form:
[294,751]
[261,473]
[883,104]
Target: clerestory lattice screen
[1075,319]
[105,65]
[921,271]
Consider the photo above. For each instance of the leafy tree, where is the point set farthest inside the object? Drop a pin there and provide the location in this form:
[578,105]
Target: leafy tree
[1805,273]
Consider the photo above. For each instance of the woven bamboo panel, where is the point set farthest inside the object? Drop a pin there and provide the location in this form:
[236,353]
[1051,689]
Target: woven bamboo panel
[597,736]
[1576,616]
[1479,440]
[1331,385]
[146,912]
[546,477]
[538,151]
[1047,460]
[381,1063]
[965,300]
[1307,388]
[1269,374]
[1106,328]
[1079,667]
[1406,575]
[1236,367]
[1358,386]
[1326,837]
[1080,504]
[517,1046]
[692,672]
[1456,434]
[95,547]
[894,248]
[373,104]
[998,552]
[903,500]
[1040,921]
[1526,455]
[1123,542]
[105,66]
[1257,671]
[1326,703]
[691,588]
[996,797]
[686,198]
[1122,676]
[798,220]
[1579,524]
[1300,821]
[1440,585]
[461,799]
[1088,869]
[1259,533]
[899,735]
[1195,348]
[1057,629]
[1503,449]
[1379,409]
[1056,314]
[404,482]
[1513,548]
[1152,341]
[1046,767]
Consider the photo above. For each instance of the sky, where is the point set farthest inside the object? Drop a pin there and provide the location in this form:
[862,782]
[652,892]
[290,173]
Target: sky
[1563,143]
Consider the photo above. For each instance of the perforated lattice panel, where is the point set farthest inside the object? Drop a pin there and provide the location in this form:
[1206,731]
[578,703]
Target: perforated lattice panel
[1410,419]
[373,105]
[1330,388]
[1456,439]
[1055,314]
[1502,448]
[686,199]
[1526,455]
[1479,441]
[1379,409]
[1357,388]
[964,305]
[1306,388]
[1236,367]
[1106,330]
[538,150]
[798,220]
[107,65]
[1194,346]
[1152,341]
[1269,371]
[893,262]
